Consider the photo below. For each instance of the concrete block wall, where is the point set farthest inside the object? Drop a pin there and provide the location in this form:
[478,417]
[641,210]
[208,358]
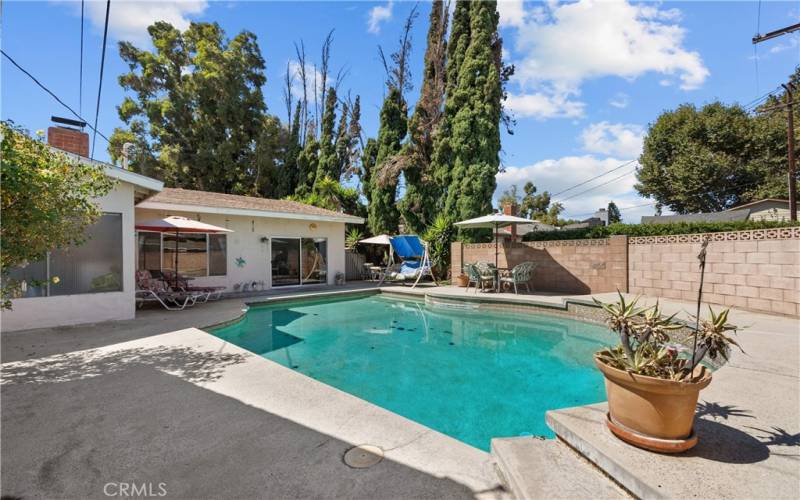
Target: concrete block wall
[567,266]
[756,270]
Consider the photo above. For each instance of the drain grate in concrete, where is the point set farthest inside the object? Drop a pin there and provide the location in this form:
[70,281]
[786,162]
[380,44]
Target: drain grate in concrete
[363,456]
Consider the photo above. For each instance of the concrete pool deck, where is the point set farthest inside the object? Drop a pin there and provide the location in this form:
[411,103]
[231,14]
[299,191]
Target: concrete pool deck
[156,401]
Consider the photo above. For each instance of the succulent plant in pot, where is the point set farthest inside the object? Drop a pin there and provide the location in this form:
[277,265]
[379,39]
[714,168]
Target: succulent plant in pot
[652,381]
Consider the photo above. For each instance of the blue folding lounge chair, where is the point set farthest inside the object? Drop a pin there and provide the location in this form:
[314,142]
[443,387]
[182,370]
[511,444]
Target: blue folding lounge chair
[414,260]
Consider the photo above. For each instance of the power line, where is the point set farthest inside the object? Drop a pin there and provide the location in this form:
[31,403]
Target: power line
[597,186]
[726,190]
[593,178]
[102,66]
[41,85]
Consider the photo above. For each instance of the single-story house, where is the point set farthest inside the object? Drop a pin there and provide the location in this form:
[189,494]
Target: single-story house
[96,279]
[274,243]
[768,209]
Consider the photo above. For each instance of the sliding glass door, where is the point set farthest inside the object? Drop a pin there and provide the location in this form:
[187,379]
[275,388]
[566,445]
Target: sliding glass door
[299,261]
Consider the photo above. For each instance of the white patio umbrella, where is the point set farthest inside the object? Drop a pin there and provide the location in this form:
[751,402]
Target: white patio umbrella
[381,239]
[495,221]
[177,224]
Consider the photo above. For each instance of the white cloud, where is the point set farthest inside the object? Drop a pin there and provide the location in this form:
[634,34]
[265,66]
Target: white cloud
[512,13]
[620,100]
[555,175]
[313,76]
[128,20]
[379,14]
[616,139]
[543,105]
[561,45]
[792,42]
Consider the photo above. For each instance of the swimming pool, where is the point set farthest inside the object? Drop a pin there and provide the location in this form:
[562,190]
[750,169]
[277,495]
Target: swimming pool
[472,375]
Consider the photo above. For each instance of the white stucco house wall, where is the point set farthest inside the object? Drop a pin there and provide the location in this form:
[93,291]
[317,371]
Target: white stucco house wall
[96,279]
[274,243]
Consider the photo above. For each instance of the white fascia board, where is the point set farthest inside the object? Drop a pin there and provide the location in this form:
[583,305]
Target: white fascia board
[247,212]
[133,178]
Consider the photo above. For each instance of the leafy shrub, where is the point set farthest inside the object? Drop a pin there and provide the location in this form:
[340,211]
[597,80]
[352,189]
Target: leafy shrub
[653,229]
[439,235]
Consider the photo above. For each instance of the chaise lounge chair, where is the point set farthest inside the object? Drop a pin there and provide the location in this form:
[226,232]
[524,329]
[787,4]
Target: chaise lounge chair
[149,289]
[205,293]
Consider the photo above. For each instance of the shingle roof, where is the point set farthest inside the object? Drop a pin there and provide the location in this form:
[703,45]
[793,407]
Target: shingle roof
[177,196]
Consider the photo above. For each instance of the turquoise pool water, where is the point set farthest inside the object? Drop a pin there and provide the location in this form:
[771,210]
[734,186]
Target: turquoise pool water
[471,375]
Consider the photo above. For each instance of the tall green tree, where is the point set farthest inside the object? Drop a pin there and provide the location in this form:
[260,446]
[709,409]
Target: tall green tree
[289,174]
[383,214]
[614,215]
[419,205]
[48,200]
[328,165]
[343,144]
[268,160]
[442,156]
[307,164]
[195,109]
[712,158]
[475,134]
[369,158]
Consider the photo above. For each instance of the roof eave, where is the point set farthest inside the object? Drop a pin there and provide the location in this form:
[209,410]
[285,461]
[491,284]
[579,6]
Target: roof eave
[156,205]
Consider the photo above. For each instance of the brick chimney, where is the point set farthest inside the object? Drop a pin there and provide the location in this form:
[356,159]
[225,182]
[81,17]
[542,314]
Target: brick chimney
[69,139]
[510,208]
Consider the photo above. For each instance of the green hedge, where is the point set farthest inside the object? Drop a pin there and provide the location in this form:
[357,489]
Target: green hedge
[652,229]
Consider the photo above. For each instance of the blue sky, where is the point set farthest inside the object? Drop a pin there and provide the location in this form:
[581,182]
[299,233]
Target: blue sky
[590,75]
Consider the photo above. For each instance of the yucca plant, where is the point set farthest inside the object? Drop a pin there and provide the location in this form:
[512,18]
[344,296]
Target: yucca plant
[646,346]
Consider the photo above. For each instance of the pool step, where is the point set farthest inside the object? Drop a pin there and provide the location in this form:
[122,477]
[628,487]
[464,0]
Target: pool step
[534,468]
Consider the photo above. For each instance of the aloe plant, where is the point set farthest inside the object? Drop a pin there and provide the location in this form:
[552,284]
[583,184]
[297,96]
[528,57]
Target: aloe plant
[647,348]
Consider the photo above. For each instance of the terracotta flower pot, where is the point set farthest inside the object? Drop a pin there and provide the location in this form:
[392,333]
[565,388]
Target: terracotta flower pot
[462,280]
[643,407]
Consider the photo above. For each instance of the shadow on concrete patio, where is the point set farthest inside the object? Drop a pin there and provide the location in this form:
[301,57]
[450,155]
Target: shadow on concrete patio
[75,423]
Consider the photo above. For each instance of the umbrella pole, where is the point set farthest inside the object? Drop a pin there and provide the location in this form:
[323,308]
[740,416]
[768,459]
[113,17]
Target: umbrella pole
[496,271]
[176,260]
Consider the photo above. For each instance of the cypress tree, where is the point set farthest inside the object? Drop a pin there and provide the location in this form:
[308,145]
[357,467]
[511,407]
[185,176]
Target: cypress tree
[419,205]
[475,139]
[287,181]
[442,158]
[343,144]
[328,165]
[307,163]
[383,214]
[368,162]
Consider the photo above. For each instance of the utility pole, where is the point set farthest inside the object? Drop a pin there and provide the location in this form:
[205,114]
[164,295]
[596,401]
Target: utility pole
[790,123]
[790,137]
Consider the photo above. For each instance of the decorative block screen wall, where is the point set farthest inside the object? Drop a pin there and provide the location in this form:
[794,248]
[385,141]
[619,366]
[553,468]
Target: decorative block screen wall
[568,266]
[757,270]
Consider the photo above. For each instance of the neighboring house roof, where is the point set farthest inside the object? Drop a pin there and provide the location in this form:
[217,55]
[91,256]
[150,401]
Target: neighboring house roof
[523,229]
[148,184]
[187,200]
[727,216]
[758,202]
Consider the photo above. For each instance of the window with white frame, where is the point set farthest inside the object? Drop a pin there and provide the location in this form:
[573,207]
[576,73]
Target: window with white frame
[199,254]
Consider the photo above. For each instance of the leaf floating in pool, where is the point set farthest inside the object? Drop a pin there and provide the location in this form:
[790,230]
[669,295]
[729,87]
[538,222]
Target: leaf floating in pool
[295,367]
[452,343]
[400,328]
